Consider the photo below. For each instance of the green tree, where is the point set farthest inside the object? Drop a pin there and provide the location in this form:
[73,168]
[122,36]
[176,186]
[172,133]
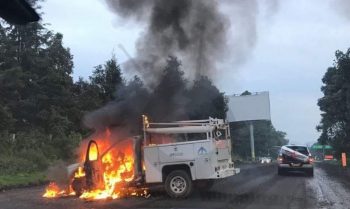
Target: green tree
[265,135]
[205,100]
[86,98]
[168,99]
[335,104]
[35,89]
[35,74]
[108,78]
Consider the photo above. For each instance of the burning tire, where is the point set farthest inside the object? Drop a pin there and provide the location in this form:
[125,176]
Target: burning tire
[178,184]
[78,186]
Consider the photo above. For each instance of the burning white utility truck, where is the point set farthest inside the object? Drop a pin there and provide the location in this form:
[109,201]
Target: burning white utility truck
[179,155]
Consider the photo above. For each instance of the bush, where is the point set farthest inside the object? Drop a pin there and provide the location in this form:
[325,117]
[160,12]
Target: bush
[24,162]
[36,157]
[13,165]
[26,152]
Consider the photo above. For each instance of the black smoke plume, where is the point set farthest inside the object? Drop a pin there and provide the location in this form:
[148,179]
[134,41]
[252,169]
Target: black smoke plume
[166,102]
[194,31]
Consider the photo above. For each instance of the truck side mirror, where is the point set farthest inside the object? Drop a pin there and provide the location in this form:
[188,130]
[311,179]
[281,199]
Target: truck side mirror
[218,134]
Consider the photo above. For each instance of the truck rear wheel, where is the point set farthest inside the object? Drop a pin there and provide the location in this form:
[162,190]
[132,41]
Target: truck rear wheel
[178,184]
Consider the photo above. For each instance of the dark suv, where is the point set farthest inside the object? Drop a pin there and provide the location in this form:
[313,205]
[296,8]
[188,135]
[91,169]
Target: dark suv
[295,158]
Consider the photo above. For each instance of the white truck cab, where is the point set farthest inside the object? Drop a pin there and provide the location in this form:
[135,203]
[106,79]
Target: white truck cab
[184,154]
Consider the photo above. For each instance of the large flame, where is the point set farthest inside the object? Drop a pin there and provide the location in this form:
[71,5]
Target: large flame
[117,166]
[53,191]
[93,152]
[79,173]
[118,169]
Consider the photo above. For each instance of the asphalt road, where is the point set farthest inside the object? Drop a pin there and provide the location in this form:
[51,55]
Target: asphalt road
[255,187]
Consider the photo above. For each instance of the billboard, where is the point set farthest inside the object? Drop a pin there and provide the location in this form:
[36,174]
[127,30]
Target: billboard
[249,107]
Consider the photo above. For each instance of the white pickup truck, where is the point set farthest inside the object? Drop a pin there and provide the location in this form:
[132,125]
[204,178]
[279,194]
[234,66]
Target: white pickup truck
[295,158]
[179,155]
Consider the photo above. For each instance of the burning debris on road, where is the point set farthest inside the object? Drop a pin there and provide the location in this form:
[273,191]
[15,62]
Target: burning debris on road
[52,191]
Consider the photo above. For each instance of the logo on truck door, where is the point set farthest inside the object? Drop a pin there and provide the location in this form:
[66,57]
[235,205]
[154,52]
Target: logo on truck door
[202,151]
[175,153]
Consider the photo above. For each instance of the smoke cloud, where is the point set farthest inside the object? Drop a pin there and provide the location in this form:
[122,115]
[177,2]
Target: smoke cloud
[124,112]
[194,31]
[201,33]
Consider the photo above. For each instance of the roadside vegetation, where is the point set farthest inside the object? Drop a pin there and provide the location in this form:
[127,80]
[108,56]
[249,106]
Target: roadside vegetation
[22,180]
[335,105]
[42,107]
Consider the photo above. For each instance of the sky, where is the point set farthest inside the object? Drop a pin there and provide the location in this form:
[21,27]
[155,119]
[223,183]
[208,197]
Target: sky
[294,45]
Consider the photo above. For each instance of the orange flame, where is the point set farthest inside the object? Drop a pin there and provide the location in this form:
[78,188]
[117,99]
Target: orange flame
[53,191]
[117,167]
[79,173]
[93,152]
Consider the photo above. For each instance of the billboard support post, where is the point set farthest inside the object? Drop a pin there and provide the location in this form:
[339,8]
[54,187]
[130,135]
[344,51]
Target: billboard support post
[252,148]
[323,151]
[249,108]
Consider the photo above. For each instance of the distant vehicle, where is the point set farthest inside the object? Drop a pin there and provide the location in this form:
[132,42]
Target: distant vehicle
[265,160]
[295,158]
[328,157]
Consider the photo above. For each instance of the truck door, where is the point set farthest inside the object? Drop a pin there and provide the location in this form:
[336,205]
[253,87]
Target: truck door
[93,167]
[222,144]
[152,164]
[202,161]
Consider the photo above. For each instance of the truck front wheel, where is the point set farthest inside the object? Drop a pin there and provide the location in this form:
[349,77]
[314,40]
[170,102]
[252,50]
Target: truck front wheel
[78,186]
[178,184]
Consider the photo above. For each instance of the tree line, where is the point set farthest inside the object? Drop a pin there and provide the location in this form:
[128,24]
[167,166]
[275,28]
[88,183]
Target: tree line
[42,107]
[335,105]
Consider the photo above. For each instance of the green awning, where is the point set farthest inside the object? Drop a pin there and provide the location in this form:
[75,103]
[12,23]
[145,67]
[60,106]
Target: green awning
[320,147]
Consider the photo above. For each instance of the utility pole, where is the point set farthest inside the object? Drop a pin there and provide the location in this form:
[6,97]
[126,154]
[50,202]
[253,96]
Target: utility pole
[136,65]
[323,152]
[252,149]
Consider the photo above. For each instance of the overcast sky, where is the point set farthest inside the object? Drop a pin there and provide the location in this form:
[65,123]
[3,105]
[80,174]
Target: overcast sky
[295,44]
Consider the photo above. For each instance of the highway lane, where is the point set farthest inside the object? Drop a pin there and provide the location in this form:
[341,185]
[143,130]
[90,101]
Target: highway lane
[255,187]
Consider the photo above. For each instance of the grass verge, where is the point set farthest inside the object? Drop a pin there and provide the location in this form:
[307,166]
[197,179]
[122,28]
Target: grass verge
[22,180]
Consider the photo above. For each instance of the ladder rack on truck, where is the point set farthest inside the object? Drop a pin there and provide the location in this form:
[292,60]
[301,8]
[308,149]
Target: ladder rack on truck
[182,154]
